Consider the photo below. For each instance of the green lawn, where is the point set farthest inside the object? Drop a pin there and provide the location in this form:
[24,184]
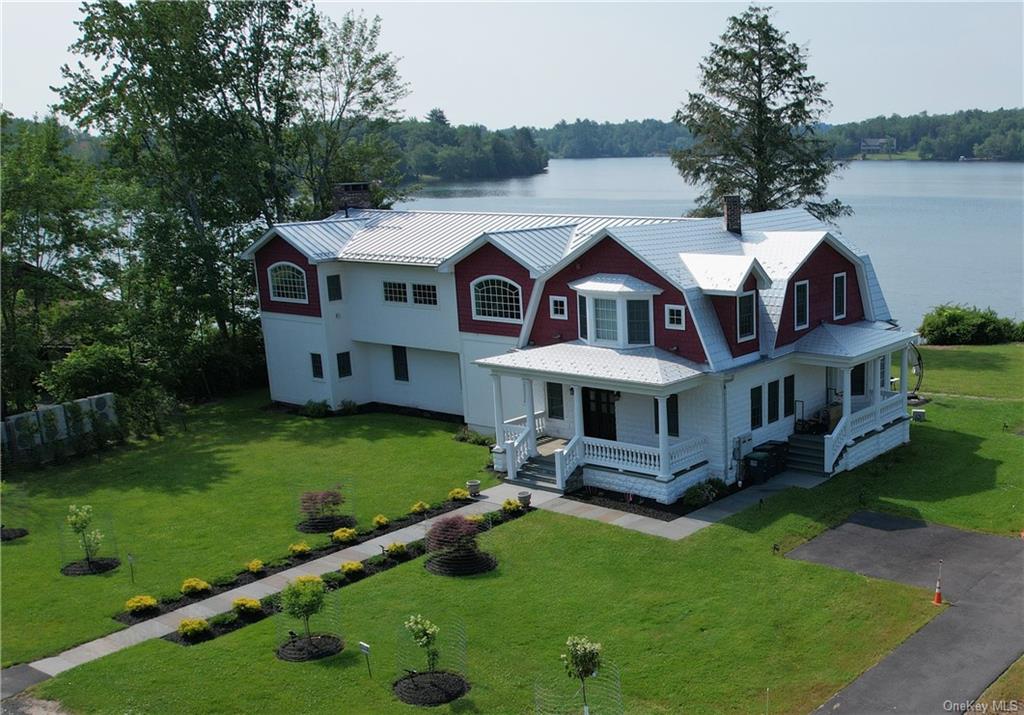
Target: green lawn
[203,502]
[980,370]
[910,155]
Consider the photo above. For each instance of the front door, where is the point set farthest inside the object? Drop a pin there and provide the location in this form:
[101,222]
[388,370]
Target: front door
[599,413]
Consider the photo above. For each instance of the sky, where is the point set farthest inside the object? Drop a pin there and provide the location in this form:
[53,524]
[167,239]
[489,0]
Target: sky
[503,64]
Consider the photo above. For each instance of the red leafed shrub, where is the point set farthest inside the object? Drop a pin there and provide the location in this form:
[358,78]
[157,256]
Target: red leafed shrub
[452,532]
[316,505]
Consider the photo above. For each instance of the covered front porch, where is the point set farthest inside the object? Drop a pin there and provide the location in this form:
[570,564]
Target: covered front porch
[593,426]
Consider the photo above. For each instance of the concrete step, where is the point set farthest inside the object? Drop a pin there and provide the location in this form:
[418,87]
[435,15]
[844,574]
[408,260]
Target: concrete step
[808,440]
[806,452]
[806,464]
[521,481]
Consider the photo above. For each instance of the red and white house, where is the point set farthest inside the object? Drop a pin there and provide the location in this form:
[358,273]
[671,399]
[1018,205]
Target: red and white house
[633,353]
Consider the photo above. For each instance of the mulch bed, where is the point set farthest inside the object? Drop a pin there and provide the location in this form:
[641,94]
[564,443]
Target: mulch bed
[465,563]
[89,568]
[321,645]
[326,524]
[10,534]
[219,626]
[430,689]
[635,505]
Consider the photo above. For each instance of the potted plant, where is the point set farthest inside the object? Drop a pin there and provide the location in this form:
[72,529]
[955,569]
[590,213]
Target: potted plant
[524,498]
[473,487]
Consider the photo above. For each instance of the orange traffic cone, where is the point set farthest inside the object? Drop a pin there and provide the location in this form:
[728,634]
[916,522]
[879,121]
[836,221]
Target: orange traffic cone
[937,600]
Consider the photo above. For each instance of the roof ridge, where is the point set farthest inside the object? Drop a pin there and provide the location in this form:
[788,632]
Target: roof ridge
[515,213]
[530,228]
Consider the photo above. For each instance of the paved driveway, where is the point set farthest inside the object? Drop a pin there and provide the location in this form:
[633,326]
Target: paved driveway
[950,661]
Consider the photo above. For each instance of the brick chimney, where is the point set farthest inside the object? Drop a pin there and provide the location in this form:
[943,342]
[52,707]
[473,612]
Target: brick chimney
[732,214]
[354,195]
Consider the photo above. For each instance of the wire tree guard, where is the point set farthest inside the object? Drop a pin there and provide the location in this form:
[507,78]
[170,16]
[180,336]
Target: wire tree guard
[453,550]
[93,551]
[557,694]
[325,510]
[435,675]
[324,627]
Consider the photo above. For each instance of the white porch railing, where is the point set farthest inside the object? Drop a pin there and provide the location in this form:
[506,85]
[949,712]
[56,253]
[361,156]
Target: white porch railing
[686,453]
[517,451]
[621,455]
[628,457]
[861,422]
[567,460]
[517,425]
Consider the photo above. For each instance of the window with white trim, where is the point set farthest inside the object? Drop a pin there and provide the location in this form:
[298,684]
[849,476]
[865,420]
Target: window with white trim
[334,287]
[606,319]
[497,299]
[838,296]
[675,317]
[395,292]
[581,301]
[746,320]
[559,307]
[638,322]
[287,283]
[801,305]
[424,294]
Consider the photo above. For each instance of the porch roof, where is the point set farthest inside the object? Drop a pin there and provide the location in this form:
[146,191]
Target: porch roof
[855,341]
[648,367]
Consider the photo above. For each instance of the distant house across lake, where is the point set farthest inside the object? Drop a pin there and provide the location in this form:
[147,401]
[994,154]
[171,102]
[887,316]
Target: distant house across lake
[884,145]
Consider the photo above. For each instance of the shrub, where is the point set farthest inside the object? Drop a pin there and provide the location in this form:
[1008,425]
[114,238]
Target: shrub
[582,661]
[315,408]
[254,567]
[79,518]
[720,487]
[299,549]
[698,495]
[458,494]
[452,532]
[465,434]
[319,505]
[146,410]
[380,521]
[344,535]
[247,606]
[348,407]
[193,628]
[90,370]
[223,619]
[309,578]
[334,579]
[950,324]
[353,568]
[140,604]
[303,598]
[396,550]
[419,507]
[476,519]
[424,634]
[511,506]
[194,587]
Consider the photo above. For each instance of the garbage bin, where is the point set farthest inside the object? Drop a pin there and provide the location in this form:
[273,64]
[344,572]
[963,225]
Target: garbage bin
[779,451]
[758,466]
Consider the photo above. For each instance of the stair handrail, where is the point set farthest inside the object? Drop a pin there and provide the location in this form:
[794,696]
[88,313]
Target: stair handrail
[567,460]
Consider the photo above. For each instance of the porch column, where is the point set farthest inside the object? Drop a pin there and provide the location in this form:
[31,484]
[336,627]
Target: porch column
[531,419]
[666,468]
[876,380]
[847,389]
[499,410]
[887,371]
[904,369]
[577,409]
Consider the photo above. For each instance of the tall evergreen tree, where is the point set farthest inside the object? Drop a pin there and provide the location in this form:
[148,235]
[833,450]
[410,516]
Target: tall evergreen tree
[755,124]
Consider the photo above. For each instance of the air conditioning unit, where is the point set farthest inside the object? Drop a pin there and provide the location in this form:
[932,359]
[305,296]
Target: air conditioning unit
[24,431]
[103,407]
[53,429]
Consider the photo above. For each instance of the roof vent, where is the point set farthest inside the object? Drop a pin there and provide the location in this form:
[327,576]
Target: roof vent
[732,212]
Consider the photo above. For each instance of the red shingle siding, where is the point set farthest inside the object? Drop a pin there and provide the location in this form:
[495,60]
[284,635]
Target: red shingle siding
[725,308]
[818,271]
[274,251]
[608,256]
[489,261]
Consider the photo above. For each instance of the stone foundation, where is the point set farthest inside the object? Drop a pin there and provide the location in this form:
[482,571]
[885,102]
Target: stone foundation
[664,492]
[870,447]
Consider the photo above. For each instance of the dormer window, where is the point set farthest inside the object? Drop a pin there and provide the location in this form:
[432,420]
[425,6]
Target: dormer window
[497,299]
[801,305]
[287,283]
[615,310]
[839,296]
[746,319]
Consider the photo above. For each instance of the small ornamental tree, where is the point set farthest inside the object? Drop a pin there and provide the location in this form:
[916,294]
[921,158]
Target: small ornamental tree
[455,533]
[79,518]
[320,505]
[582,662]
[424,634]
[303,599]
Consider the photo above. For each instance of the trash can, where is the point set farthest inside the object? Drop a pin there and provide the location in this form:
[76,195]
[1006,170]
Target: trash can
[758,467]
[779,451]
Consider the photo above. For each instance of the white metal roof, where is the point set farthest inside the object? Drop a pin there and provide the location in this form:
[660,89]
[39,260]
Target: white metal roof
[614,283]
[317,240]
[851,341]
[716,273]
[648,366]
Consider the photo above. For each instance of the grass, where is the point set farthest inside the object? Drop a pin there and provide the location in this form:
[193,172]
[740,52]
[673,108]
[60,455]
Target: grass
[1007,691]
[995,371]
[909,155]
[204,502]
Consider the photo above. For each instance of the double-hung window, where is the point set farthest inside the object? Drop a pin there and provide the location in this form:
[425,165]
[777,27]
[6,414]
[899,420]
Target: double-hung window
[317,363]
[334,287]
[838,296]
[638,322]
[606,319]
[582,303]
[773,401]
[400,363]
[556,404]
[756,414]
[801,306]
[746,320]
[344,364]
[789,395]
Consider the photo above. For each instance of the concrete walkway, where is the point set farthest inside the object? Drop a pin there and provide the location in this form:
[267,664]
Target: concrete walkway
[693,522]
[959,653]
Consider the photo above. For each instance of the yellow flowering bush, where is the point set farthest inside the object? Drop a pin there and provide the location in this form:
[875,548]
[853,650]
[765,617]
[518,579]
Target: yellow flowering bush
[194,587]
[419,507]
[511,506]
[344,535]
[247,606]
[380,521]
[254,566]
[476,518]
[192,628]
[458,494]
[309,578]
[353,568]
[396,550]
[300,548]
[138,604]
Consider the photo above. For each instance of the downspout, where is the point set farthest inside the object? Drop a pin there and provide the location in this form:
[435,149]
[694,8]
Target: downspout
[726,452]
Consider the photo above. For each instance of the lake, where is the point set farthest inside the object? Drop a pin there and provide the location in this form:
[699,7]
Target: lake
[936,231]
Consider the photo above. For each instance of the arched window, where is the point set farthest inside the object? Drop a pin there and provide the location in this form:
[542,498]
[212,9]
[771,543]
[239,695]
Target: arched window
[497,299]
[287,283]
